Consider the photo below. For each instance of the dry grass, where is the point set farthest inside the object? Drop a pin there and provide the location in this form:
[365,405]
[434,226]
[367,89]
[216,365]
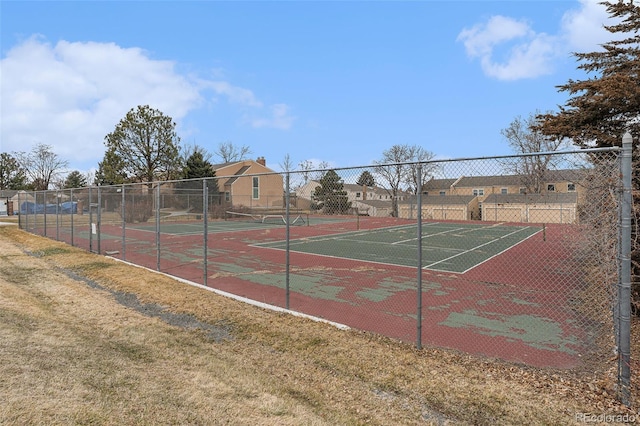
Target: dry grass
[71,354]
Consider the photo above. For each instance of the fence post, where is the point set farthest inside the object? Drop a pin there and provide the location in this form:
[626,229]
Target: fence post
[287,212]
[74,211]
[57,215]
[99,218]
[205,228]
[20,224]
[419,255]
[90,220]
[123,213]
[44,210]
[624,286]
[157,226]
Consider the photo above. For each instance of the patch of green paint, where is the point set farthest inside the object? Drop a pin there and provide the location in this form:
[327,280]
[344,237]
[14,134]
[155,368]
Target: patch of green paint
[439,308]
[314,285]
[181,258]
[518,301]
[534,331]
[389,287]
[440,293]
[230,268]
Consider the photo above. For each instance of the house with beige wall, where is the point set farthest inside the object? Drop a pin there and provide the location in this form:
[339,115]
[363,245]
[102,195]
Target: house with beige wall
[250,183]
[508,198]
[441,207]
[552,207]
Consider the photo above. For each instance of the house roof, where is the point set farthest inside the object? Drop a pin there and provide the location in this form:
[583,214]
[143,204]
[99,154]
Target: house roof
[237,174]
[7,193]
[374,203]
[569,175]
[435,184]
[442,199]
[547,198]
[242,164]
[369,189]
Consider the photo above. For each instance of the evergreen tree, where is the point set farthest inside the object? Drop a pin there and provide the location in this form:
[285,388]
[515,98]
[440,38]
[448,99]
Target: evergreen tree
[330,195]
[366,179]
[603,107]
[75,180]
[12,176]
[196,168]
[111,170]
[598,113]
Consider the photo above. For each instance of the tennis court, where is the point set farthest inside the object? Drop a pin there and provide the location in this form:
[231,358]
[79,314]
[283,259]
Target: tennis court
[447,247]
[238,223]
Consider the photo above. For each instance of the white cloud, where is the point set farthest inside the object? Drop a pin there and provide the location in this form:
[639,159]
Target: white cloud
[72,94]
[280,118]
[235,94]
[583,28]
[530,54]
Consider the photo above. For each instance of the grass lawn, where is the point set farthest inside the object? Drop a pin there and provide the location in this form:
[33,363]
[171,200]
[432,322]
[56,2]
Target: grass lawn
[85,339]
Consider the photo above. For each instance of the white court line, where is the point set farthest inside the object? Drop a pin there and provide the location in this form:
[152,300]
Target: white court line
[338,236]
[430,235]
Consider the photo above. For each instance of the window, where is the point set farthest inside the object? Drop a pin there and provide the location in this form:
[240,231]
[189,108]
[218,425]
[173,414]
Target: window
[571,187]
[425,192]
[523,190]
[551,187]
[443,193]
[504,191]
[256,192]
[227,196]
[358,194]
[477,192]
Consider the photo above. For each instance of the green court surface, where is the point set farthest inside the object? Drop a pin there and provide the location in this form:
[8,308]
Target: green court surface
[448,247]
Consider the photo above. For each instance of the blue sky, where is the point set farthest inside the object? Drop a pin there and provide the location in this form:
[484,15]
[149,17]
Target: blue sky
[329,81]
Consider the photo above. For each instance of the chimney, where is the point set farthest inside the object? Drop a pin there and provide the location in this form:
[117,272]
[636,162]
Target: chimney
[261,161]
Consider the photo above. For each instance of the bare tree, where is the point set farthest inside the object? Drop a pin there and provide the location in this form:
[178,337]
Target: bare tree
[229,153]
[394,169]
[524,137]
[421,155]
[187,150]
[42,166]
[287,164]
[312,170]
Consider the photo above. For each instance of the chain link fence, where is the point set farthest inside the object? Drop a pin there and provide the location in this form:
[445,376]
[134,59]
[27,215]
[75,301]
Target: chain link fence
[516,258]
